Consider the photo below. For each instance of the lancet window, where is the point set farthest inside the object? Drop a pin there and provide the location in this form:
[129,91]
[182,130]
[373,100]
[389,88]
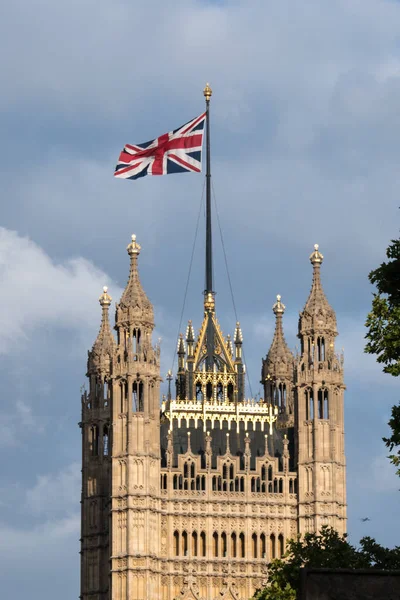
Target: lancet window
[309,400]
[94,440]
[321,349]
[203,547]
[137,397]
[105,440]
[323,404]
[263,548]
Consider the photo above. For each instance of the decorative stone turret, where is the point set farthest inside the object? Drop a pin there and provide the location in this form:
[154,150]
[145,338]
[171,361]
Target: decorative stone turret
[134,306]
[319,413]
[99,359]
[277,371]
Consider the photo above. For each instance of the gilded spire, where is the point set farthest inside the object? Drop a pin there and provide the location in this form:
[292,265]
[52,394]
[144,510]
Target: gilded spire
[134,300]
[190,333]
[317,313]
[104,344]
[279,359]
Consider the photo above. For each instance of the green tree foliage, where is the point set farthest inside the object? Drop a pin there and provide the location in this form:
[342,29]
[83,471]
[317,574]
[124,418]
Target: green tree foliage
[324,550]
[383,323]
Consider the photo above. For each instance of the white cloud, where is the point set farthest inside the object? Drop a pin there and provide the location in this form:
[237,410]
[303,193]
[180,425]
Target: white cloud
[38,292]
[54,494]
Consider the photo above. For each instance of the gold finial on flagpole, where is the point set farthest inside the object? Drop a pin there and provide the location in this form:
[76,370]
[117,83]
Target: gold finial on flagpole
[207,92]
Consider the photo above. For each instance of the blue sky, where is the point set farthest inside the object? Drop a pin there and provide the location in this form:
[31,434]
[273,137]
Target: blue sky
[305,149]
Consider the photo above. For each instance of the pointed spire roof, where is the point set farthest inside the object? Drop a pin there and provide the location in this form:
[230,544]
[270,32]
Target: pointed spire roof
[279,359]
[317,312]
[104,344]
[134,303]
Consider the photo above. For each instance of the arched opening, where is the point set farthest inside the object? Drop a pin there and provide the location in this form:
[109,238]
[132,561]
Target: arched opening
[231,472]
[136,343]
[199,392]
[272,546]
[281,545]
[326,404]
[192,470]
[203,483]
[176,543]
[184,543]
[137,396]
[263,473]
[254,544]
[185,470]
[94,440]
[209,391]
[224,549]
[309,396]
[320,404]
[203,543]
[321,348]
[242,545]
[105,440]
[233,545]
[263,546]
[220,392]
[194,543]
[281,486]
[224,472]
[230,392]
[215,544]
[270,473]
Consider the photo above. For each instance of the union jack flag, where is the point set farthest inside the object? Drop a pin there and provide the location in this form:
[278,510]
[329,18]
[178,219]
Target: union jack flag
[176,152]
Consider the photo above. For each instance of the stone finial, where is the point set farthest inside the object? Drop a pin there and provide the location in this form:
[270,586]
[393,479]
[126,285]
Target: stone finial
[286,447]
[316,257]
[228,448]
[190,333]
[247,452]
[133,248]
[279,360]
[189,447]
[317,313]
[105,299]
[229,344]
[278,307]
[285,454]
[134,308]
[170,449]
[208,450]
[181,345]
[266,449]
[104,344]
[238,337]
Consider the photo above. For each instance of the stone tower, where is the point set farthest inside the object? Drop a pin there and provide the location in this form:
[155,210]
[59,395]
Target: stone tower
[96,445]
[121,452]
[191,497]
[277,373]
[319,414]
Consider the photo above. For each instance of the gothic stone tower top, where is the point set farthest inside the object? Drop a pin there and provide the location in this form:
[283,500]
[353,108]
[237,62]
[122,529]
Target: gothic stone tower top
[134,307]
[317,314]
[104,346]
[279,360]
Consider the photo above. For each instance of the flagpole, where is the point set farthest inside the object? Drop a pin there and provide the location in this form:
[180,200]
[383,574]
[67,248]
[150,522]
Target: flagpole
[209,304]
[209,274]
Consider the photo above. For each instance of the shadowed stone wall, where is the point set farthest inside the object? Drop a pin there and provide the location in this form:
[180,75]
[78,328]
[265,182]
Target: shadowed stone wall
[342,584]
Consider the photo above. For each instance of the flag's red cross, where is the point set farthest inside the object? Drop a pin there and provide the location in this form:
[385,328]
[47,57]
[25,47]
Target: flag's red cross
[161,149]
